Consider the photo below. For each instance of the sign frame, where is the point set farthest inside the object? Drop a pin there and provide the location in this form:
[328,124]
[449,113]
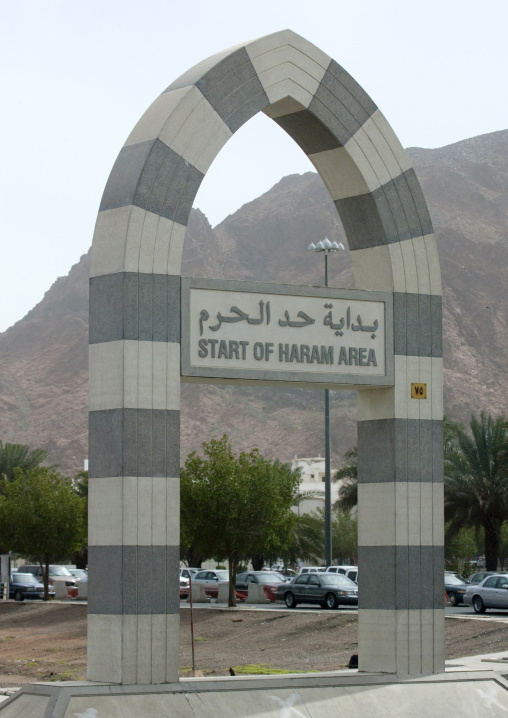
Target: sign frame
[267,377]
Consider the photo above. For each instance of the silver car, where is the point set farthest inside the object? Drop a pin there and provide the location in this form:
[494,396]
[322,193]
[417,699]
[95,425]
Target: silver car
[492,592]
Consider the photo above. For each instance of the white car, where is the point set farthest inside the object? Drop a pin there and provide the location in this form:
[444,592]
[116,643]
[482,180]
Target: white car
[211,580]
[349,571]
[311,569]
[492,592]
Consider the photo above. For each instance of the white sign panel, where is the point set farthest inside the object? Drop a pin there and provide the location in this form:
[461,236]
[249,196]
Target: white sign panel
[245,330]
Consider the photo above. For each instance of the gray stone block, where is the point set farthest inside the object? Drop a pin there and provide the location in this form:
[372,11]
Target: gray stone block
[154,177]
[134,580]
[391,213]
[362,222]
[352,94]
[437,455]
[336,103]
[107,579]
[106,308]
[134,442]
[416,321]
[123,180]
[400,577]
[426,450]
[195,73]
[436,326]
[105,440]
[234,89]
[399,450]
[308,132]
[138,306]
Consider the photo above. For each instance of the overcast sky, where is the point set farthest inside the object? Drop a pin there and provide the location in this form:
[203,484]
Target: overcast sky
[76,77]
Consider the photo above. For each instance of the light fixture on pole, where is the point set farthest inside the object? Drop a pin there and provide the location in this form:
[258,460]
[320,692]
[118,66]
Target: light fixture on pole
[326,247]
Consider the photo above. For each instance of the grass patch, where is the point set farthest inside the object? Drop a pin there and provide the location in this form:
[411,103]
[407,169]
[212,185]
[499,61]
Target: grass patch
[261,669]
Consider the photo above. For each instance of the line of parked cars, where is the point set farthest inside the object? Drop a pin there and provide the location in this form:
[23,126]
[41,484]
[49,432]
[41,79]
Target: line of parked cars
[26,582]
[482,590]
[313,585]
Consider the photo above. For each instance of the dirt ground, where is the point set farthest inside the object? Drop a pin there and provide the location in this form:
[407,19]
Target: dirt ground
[47,642]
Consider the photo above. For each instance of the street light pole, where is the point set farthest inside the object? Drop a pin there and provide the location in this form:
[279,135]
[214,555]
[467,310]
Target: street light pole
[326,247]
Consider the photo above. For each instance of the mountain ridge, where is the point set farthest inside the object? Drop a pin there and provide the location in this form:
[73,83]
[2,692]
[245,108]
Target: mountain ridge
[44,356]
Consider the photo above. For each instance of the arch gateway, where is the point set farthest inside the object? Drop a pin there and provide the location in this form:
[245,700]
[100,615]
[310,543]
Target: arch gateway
[141,312]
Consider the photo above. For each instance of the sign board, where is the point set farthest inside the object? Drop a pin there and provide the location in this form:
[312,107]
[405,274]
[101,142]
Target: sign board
[235,331]
[418,391]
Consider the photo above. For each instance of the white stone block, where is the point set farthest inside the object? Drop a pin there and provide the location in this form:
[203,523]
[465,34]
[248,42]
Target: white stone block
[172,647]
[108,245]
[376,514]
[153,120]
[374,404]
[396,158]
[398,270]
[144,649]
[105,511]
[256,594]
[129,650]
[264,45]
[373,269]
[340,173]
[411,269]
[104,648]
[434,268]
[106,377]
[286,106]
[130,510]
[377,644]
[223,594]
[289,88]
[198,593]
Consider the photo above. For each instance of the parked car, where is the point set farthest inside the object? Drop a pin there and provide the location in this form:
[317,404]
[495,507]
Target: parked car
[268,578]
[188,572]
[349,571]
[64,582]
[478,577]
[311,569]
[329,590]
[492,592]
[184,587]
[455,587]
[211,580]
[79,573]
[25,585]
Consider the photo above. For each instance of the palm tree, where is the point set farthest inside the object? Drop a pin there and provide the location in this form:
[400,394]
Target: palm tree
[348,474]
[476,484]
[19,456]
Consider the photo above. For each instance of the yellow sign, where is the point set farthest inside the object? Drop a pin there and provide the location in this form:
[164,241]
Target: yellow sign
[418,391]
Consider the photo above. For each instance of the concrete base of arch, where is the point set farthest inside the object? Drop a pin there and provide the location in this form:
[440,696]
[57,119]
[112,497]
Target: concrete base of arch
[311,696]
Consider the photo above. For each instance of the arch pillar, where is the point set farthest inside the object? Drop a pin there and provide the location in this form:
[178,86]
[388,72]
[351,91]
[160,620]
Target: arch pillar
[135,356]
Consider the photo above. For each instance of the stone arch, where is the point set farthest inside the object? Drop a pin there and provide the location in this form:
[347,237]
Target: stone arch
[135,371]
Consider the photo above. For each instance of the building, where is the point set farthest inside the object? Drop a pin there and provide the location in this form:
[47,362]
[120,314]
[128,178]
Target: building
[313,478]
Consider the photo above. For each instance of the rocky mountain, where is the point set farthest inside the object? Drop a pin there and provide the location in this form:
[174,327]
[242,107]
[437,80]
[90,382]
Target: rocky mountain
[43,357]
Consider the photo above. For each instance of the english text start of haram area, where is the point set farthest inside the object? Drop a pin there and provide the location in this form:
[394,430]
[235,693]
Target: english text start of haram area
[302,353]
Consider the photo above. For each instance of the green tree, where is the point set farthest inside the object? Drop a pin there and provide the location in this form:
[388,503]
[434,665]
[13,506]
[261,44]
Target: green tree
[348,474]
[344,537]
[235,507]
[476,485]
[307,540]
[19,456]
[460,548]
[41,516]
[80,481]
